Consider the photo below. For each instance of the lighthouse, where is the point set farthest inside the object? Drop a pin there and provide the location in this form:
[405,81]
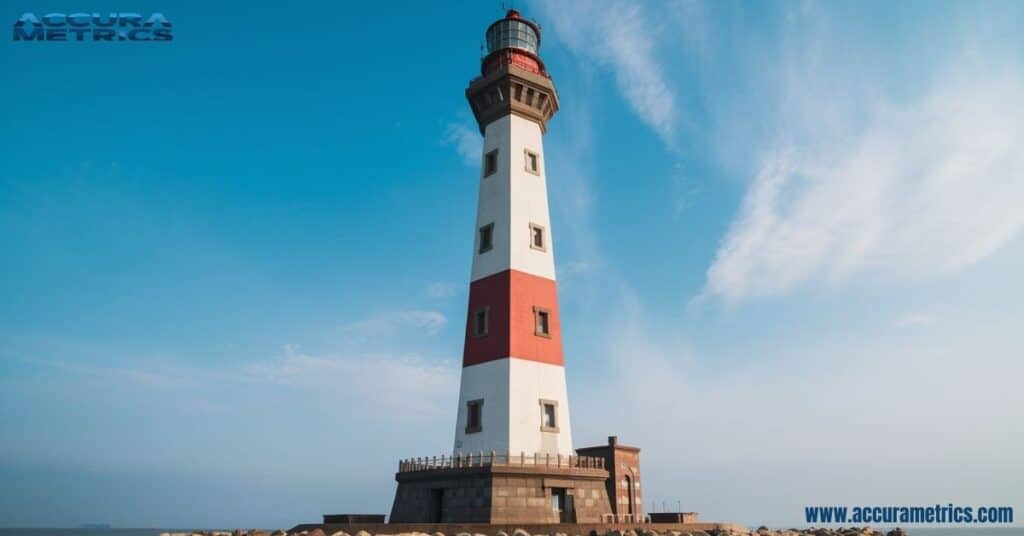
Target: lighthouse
[513,459]
[512,397]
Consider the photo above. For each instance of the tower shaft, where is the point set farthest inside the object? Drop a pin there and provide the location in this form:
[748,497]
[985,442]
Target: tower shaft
[513,395]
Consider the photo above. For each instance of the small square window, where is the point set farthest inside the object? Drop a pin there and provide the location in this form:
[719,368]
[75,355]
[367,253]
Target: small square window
[548,415]
[481,320]
[474,416]
[542,322]
[532,162]
[491,163]
[486,241]
[537,237]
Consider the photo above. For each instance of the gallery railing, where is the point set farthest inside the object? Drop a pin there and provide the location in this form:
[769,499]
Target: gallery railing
[482,459]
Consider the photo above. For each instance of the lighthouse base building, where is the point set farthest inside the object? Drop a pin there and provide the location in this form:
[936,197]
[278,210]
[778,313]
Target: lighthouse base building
[600,486]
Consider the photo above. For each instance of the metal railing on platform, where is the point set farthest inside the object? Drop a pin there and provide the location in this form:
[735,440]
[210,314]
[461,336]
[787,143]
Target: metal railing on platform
[482,459]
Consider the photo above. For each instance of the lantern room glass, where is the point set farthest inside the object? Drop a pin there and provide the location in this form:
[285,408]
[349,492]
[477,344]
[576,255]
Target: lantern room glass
[511,33]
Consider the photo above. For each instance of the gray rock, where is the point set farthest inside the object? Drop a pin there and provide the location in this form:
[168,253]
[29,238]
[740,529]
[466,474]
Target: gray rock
[520,532]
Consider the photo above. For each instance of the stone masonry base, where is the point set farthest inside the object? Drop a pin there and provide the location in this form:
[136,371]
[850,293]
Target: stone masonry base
[500,494]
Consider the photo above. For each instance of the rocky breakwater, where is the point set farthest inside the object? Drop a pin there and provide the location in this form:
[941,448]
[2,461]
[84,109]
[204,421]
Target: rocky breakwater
[236,532]
[760,531]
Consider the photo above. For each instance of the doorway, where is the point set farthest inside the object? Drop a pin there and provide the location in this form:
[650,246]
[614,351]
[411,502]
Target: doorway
[436,506]
[628,481]
[563,506]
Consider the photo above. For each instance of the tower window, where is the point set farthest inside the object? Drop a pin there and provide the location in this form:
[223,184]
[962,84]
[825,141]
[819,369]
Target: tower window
[486,242]
[532,162]
[542,322]
[491,163]
[548,415]
[537,237]
[481,319]
[474,416]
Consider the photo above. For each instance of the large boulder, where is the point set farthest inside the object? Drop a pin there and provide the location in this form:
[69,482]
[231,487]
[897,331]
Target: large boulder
[520,532]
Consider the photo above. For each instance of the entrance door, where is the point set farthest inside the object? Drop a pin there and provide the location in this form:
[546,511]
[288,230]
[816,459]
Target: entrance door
[436,506]
[569,513]
[558,503]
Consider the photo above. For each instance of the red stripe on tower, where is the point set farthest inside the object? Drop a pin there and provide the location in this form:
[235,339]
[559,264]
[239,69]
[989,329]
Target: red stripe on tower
[514,305]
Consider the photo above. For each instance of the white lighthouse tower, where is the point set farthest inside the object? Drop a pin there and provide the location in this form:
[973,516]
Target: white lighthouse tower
[513,396]
[513,460]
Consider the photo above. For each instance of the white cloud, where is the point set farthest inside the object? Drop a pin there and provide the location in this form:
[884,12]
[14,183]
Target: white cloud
[809,419]
[467,141]
[440,290]
[389,321]
[393,381]
[915,320]
[620,36]
[921,189]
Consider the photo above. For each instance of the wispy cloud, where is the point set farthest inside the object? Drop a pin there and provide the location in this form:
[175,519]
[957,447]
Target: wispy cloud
[365,375]
[620,36]
[388,321]
[918,189]
[467,142]
[835,405]
[441,290]
[915,320]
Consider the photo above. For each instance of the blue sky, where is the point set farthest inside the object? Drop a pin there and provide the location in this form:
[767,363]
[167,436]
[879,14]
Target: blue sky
[788,242]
